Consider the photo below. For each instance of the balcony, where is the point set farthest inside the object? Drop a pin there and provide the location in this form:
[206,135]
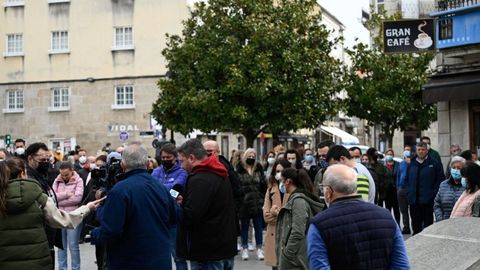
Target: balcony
[443,5]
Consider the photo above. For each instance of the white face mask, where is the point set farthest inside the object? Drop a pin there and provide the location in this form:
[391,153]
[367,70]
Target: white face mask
[278,176]
[82,159]
[93,166]
[20,151]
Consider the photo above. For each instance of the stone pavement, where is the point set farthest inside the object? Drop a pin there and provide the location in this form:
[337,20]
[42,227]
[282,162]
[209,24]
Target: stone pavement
[87,253]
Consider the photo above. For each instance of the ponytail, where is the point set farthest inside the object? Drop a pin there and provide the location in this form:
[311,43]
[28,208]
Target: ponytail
[4,177]
[299,177]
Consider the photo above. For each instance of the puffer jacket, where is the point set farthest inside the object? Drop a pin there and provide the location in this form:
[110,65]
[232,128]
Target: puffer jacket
[74,186]
[254,188]
[291,233]
[23,241]
[447,196]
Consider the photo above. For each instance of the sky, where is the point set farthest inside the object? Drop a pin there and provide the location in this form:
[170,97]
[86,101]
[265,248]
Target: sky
[349,12]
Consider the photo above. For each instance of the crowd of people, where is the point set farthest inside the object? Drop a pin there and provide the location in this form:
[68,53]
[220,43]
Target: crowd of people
[324,208]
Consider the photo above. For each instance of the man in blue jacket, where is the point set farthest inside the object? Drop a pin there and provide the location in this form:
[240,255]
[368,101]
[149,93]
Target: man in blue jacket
[352,233]
[424,175]
[171,174]
[137,216]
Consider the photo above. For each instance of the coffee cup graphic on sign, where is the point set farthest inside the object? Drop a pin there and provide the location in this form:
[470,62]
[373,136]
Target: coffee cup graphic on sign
[423,41]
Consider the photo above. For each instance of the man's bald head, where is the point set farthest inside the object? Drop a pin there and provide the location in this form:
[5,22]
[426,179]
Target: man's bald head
[212,147]
[341,178]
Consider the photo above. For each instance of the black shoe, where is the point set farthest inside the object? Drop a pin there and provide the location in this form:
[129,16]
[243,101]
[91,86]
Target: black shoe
[406,231]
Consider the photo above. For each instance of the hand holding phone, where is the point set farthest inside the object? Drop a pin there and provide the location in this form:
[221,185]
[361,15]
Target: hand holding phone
[174,193]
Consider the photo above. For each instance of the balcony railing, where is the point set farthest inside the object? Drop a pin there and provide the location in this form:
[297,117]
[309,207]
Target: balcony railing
[451,4]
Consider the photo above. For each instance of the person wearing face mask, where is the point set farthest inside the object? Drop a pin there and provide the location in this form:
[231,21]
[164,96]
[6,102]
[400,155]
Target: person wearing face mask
[87,167]
[293,157]
[351,233]
[20,148]
[391,199]
[37,168]
[171,174]
[468,203]
[449,191]
[274,200]
[309,164]
[254,185]
[69,187]
[432,153]
[293,219]
[402,189]
[82,160]
[268,163]
[455,150]
[322,164]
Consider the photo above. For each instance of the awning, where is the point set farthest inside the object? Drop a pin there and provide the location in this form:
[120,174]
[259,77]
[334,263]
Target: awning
[346,137]
[459,86]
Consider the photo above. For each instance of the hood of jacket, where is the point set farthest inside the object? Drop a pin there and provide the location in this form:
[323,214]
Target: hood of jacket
[311,199]
[211,164]
[21,193]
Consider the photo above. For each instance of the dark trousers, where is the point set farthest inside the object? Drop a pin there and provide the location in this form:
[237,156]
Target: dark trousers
[52,253]
[391,203]
[403,203]
[422,216]
[257,227]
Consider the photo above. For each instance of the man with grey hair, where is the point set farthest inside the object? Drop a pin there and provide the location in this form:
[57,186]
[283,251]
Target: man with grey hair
[352,233]
[424,175]
[136,218]
[207,235]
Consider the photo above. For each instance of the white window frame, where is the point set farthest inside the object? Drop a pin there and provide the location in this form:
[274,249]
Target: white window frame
[121,45]
[61,107]
[18,107]
[16,44]
[57,42]
[14,3]
[123,105]
[58,1]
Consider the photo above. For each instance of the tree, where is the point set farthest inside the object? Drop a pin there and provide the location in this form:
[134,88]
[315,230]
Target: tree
[243,64]
[386,89]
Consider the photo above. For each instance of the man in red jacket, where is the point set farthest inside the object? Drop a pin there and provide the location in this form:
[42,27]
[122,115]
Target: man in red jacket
[207,234]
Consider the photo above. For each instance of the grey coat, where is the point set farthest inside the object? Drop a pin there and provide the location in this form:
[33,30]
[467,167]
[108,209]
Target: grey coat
[447,196]
[292,226]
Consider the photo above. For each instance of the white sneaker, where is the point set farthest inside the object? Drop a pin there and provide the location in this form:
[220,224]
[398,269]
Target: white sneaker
[260,255]
[239,247]
[245,254]
[251,247]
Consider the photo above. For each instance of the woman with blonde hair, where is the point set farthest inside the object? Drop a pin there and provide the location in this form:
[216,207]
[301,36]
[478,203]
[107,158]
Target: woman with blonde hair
[254,186]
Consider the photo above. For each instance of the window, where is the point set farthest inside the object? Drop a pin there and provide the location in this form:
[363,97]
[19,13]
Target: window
[123,39]
[445,29]
[14,101]
[58,1]
[14,3]
[124,97]
[14,45]
[60,99]
[59,42]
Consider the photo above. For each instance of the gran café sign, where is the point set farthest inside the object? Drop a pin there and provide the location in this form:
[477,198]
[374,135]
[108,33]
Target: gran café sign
[408,36]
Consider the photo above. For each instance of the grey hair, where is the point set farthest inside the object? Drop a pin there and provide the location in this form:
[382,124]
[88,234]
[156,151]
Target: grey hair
[456,159]
[338,182]
[193,147]
[135,156]
[422,144]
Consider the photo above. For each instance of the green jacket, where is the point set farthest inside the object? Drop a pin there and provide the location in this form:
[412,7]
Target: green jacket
[23,242]
[292,226]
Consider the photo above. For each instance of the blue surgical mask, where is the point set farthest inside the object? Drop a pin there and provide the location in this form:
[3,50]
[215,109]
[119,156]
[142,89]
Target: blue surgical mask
[271,160]
[322,163]
[407,154]
[464,182]
[388,157]
[309,159]
[455,173]
[282,188]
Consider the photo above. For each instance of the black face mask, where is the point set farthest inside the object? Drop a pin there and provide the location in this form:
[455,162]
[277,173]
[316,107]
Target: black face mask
[250,161]
[43,167]
[167,164]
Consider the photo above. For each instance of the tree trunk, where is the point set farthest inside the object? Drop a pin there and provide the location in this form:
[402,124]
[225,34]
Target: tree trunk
[250,136]
[389,131]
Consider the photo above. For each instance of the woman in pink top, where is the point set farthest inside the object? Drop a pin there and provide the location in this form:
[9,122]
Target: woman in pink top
[471,182]
[68,187]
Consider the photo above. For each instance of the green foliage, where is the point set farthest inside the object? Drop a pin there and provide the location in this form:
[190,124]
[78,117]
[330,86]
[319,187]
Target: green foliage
[240,64]
[386,89]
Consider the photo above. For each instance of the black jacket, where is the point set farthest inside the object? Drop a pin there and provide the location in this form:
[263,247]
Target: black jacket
[254,186]
[208,229]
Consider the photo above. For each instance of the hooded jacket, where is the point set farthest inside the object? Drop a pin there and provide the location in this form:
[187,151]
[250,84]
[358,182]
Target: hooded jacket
[292,226]
[208,229]
[254,188]
[23,242]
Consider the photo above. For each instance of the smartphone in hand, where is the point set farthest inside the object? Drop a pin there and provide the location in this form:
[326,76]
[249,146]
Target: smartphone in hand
[174,193]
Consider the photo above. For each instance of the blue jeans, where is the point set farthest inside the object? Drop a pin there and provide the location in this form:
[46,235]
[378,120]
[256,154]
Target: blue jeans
[212,265]
[180,264]
[70,240]
[257,227]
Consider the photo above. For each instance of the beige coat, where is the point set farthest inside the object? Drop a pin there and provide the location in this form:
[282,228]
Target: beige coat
[272,197]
